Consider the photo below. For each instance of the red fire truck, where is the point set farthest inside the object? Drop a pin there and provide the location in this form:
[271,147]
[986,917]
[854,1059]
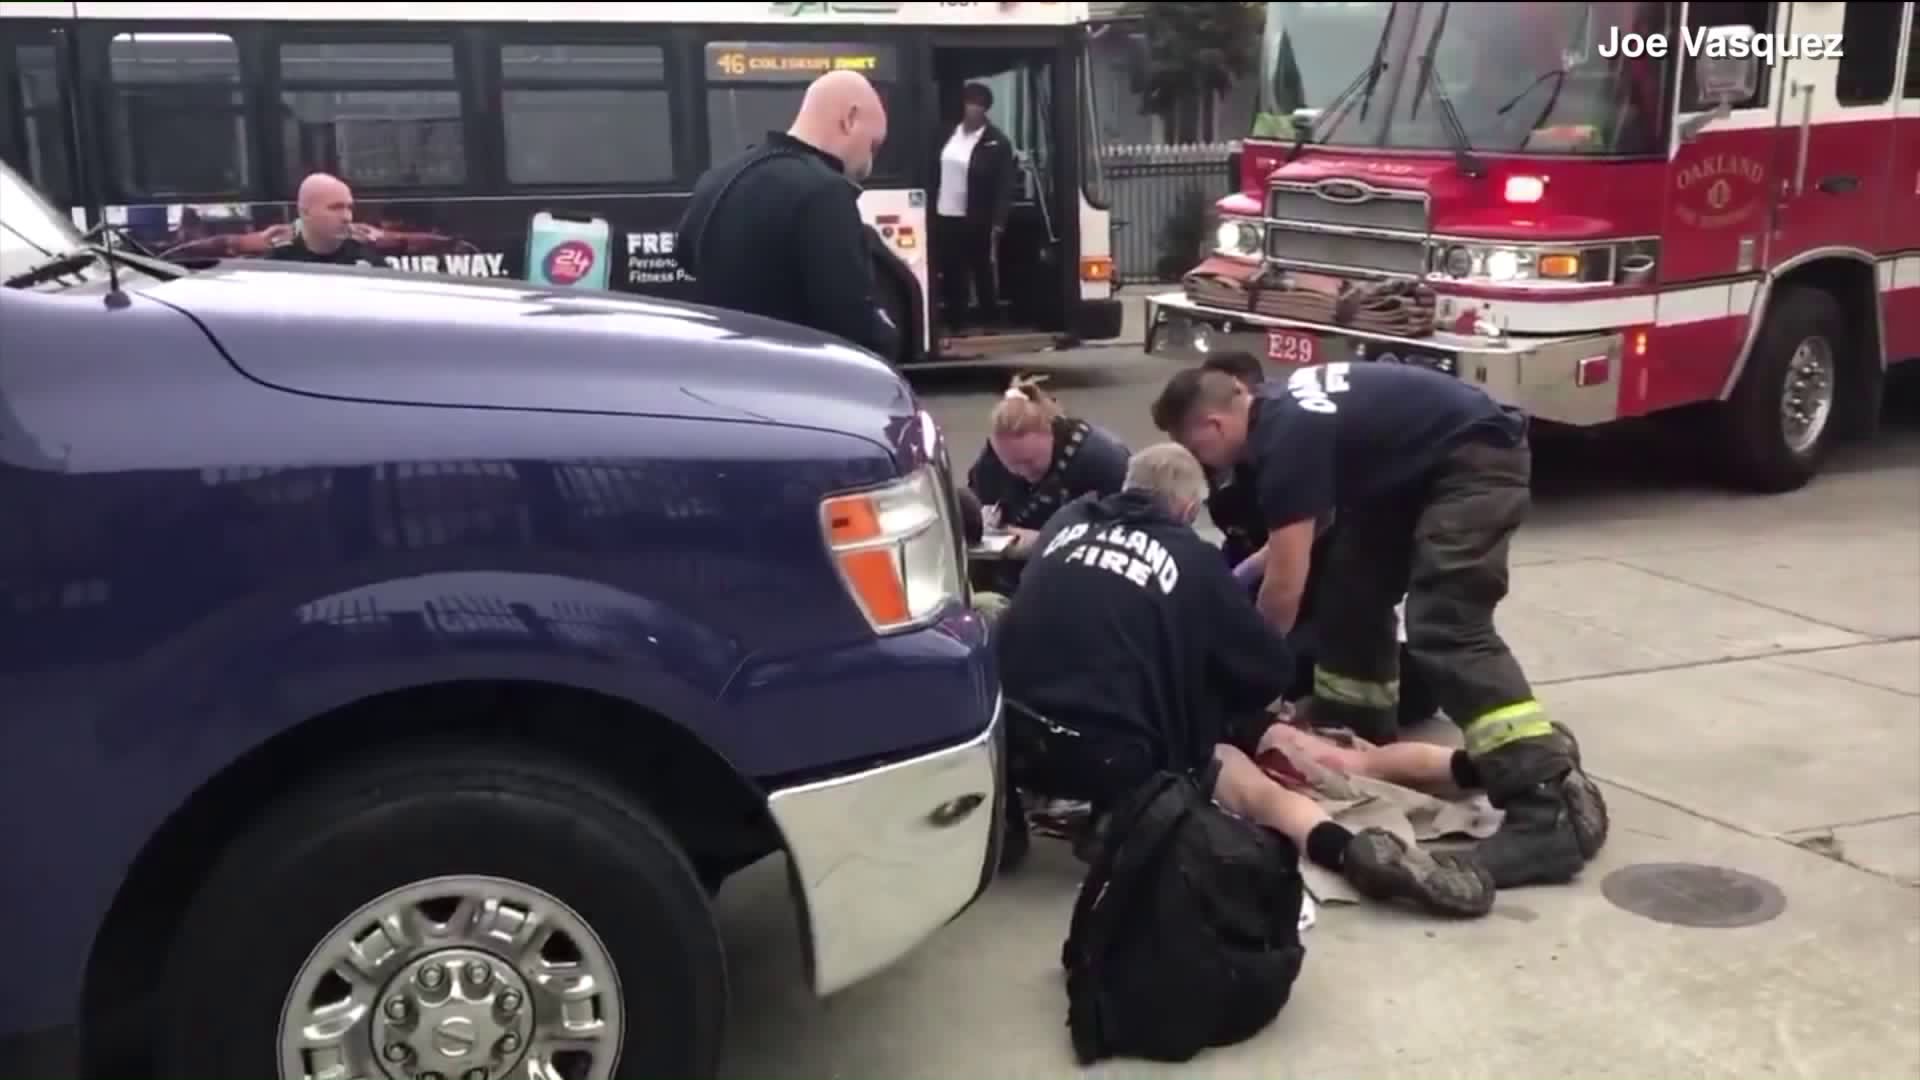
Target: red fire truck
[1595,210]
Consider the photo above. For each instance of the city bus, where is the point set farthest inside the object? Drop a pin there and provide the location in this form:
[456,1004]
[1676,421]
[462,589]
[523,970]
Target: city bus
[555,142]
[1723,230]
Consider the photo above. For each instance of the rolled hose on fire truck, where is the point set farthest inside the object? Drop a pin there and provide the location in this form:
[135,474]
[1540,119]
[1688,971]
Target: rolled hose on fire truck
[1399,308]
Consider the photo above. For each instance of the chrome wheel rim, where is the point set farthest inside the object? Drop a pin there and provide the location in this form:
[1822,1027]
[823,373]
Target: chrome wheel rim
[455,978]
[1806,402]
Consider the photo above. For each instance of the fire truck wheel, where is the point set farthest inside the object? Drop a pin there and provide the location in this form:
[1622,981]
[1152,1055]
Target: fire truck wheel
[1780,419]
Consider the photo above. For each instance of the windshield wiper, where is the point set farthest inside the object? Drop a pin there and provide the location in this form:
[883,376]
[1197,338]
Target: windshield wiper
[1463,158]
[122,243]
[72,262]
[57,267]
[1335,110]
[141,260]
[1558,75]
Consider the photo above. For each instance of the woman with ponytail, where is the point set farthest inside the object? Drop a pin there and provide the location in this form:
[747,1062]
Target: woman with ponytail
[1038,459]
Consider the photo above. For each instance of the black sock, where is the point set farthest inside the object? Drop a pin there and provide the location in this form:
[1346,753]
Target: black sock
[1465,772]
[1327,845]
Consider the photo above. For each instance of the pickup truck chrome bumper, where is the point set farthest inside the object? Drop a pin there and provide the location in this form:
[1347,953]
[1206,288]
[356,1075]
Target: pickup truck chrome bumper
[1569,379]
[881,859]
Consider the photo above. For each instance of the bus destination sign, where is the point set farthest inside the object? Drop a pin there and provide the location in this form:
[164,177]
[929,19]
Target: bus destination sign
[745,61]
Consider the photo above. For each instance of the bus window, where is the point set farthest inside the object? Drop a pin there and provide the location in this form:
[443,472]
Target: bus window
[380,116]
[179,115]
[754,88]
[1093,181]
[586,114]
[34,96]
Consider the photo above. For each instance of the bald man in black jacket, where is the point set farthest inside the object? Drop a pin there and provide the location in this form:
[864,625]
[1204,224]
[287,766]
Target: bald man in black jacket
[777,230]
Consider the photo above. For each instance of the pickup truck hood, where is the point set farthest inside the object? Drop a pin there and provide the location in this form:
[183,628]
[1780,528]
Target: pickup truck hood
[381,335]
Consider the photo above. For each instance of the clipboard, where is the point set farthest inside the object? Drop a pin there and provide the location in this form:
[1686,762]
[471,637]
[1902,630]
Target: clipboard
[992,545]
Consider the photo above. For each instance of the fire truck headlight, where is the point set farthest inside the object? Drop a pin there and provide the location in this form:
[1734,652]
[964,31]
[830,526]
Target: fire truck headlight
[1240,239]
[1504,264]
[1530,265]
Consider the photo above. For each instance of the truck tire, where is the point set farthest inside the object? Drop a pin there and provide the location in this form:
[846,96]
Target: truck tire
[1779,422]
[459,911]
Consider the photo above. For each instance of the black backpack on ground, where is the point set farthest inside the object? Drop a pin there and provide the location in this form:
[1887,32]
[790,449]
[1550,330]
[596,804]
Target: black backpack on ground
[1186,933]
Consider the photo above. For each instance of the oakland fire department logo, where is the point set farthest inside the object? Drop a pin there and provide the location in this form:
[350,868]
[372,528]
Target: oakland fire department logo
[1718,190]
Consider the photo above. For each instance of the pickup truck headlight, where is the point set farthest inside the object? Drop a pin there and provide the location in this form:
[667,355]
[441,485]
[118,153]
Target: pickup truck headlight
[895,551]
[1238,238]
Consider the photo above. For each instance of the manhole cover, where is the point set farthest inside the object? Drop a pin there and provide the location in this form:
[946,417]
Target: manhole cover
[1690,894]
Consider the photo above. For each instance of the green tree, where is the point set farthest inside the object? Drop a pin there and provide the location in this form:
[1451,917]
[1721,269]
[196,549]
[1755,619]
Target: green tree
[1195,53]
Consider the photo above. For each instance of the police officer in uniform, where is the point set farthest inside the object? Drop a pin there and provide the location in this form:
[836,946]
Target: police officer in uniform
[1430,478]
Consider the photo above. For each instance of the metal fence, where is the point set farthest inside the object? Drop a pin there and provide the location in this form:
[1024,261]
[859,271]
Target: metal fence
[1161,199]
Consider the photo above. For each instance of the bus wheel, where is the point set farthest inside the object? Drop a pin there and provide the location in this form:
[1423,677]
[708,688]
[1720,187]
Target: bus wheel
[1779,422]
[468,913]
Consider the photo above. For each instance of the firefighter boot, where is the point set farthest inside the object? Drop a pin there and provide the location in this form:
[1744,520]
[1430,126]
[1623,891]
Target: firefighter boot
[1556,817]
[1381,866]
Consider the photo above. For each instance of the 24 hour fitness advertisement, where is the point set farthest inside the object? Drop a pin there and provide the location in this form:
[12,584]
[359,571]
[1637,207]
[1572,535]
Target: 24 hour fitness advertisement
[623,242]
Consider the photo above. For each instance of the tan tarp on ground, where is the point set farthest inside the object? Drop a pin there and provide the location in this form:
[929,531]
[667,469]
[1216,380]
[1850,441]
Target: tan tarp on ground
[1360,803]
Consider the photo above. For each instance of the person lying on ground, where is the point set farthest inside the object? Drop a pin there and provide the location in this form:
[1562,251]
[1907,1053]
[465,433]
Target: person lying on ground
[1130,639]
[1036,460]
[1422,766]
[1431,478]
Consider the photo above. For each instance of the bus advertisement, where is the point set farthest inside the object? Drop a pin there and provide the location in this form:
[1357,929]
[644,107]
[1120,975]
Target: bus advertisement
[556,143]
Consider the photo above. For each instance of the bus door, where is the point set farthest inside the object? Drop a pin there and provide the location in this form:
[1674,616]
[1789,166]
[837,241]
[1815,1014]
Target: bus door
[1038,247]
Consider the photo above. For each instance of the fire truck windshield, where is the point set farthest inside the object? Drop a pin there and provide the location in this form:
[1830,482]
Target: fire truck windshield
[1523,78]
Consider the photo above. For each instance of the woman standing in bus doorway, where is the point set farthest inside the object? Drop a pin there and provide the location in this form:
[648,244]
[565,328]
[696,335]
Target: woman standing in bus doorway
[970,211]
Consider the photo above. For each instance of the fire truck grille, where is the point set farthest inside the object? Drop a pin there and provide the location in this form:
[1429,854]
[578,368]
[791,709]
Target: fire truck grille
[1343,251]
[1348,224]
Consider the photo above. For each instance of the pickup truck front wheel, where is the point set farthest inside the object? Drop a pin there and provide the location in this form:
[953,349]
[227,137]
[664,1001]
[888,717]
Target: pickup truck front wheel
[464,914]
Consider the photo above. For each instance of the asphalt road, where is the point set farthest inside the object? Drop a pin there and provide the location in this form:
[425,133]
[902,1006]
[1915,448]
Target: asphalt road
[1744,674]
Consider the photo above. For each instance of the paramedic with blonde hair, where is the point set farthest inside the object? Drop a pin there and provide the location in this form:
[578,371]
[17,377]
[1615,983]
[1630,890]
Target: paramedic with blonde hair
[1038,459]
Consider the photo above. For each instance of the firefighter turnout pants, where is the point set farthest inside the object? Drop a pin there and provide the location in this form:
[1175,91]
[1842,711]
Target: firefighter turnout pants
[1445,547]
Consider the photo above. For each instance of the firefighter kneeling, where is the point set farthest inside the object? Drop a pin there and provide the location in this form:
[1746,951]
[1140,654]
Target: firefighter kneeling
[1431,478]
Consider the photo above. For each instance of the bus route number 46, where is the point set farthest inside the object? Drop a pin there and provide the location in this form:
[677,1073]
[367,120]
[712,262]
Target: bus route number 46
[1292,347]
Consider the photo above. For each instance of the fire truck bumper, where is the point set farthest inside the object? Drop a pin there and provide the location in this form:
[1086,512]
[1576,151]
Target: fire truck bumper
[1573,379]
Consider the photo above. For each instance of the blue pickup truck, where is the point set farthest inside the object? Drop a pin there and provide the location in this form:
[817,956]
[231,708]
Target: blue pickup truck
[391,668]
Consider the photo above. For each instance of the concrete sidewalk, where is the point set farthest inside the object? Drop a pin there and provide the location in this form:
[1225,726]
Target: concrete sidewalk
[1745,677]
